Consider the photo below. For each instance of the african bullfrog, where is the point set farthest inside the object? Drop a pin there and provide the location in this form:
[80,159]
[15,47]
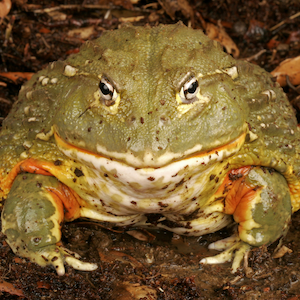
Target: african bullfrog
[149,127]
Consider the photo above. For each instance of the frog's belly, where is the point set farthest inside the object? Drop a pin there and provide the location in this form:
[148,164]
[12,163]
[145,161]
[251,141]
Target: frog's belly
[179,188]
[138,195]
[178,192]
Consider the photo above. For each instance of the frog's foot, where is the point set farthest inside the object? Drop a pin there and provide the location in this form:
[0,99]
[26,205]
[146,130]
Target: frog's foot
[32,218]
[233,248]
[260,203]
[58,255]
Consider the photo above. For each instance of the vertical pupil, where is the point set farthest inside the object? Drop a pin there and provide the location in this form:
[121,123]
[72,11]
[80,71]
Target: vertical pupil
[104,89]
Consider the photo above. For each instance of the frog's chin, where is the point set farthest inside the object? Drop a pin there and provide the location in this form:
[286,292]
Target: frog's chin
[149,162]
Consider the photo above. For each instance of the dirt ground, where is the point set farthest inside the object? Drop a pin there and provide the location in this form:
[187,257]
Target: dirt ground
[135,263]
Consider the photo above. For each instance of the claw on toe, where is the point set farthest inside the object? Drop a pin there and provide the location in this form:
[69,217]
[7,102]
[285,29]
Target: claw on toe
[233,247]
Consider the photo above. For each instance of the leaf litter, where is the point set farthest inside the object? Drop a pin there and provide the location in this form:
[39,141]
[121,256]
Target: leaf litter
[135,263]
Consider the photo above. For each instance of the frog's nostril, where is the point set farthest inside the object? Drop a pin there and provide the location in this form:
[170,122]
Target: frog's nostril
[163,120]
[132,119]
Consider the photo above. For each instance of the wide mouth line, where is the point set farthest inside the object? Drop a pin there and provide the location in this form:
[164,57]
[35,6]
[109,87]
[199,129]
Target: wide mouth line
[230,147]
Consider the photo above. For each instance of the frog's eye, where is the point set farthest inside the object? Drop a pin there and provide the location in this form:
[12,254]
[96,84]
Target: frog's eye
[188,93]
[108,93]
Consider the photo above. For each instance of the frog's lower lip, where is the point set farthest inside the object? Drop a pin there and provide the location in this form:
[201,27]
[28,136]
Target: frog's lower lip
[204,157]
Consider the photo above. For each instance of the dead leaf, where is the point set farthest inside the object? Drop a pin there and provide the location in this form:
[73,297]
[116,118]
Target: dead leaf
[153,17]
[82,33]
[140,291]
[293,37]
[289,67]
[140,235]
[43,285]
[256,31]
[282,251]
[133,291]
[113,255]
[5,7]
[9,288]
[272,44]
[57,15]
[131,19]
[219,34]
[186,9]
[127,4]
[172,6]
[16,76]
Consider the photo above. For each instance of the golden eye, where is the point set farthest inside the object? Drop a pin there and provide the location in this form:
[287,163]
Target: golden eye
[188,93]
[108,93]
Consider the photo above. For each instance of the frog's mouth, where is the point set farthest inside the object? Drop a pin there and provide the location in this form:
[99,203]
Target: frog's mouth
[96,160]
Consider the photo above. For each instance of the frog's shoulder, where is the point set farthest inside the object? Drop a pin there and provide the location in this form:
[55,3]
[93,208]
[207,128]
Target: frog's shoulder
[272,119]
[32,115]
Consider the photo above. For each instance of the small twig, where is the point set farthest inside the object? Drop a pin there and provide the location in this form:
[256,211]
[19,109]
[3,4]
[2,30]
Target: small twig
[236,279]
[85,6]
[5,101]
[255,56]
[45,42]
[248,270]
[71,7]
[284,21]
[262,276]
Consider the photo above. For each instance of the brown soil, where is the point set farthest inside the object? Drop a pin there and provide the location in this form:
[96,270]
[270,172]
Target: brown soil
[164,264]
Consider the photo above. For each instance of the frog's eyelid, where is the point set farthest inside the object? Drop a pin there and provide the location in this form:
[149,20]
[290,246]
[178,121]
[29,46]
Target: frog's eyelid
[110,81]
[183,80]
[230,71]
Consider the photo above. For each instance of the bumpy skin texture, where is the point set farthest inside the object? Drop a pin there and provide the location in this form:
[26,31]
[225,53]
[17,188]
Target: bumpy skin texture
[149,121]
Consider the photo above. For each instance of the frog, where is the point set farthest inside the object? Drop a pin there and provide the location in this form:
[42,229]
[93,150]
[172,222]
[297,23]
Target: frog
[152,127]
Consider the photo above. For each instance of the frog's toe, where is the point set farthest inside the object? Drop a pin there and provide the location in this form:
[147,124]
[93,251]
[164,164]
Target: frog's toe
[236,251]
[80,265]
[225,243]
[49,255]
[73,260]
[61,255]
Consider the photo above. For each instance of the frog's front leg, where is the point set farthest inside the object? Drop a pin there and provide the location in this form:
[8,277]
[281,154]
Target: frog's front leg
[259,200]
[32,217]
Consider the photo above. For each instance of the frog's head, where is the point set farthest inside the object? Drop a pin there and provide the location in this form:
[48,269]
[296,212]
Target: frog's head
[149,96]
